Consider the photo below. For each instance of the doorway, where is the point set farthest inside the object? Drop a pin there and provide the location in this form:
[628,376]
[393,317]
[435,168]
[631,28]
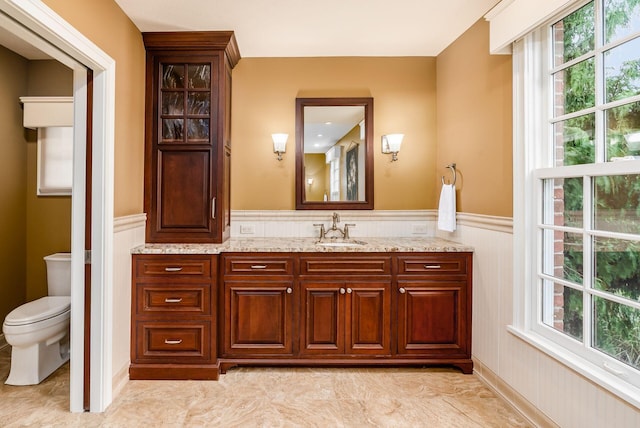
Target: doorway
[34,23]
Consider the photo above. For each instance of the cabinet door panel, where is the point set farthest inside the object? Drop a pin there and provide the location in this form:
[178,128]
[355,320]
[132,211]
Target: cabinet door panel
[432,319]
[368,315]
[259,318]
[183,180]
[323,324]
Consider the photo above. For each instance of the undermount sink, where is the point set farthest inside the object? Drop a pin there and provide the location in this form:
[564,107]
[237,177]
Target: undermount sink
[352,243]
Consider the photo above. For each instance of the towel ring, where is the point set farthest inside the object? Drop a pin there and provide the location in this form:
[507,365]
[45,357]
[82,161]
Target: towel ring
[452,167]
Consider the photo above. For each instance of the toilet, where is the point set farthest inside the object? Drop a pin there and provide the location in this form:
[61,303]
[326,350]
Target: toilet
[38,331]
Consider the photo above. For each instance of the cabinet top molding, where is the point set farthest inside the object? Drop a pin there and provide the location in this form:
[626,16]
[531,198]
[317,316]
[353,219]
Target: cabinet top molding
[190,40]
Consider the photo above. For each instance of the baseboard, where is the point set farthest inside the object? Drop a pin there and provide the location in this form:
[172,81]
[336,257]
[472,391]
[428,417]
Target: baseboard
[120,379]
[512,397]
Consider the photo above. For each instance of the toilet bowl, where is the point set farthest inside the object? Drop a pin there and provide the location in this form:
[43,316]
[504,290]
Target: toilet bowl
[38,331]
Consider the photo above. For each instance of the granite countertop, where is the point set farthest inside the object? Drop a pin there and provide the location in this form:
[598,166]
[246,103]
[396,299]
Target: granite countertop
[307,245]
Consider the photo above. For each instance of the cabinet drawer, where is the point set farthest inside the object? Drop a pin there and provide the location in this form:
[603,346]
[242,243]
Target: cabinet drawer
[438,264]
[186,340]
[345,266]
[173,266]
[258,265]
[193,299]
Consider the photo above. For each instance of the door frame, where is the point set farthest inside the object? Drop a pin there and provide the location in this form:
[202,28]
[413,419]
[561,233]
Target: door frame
[36,23]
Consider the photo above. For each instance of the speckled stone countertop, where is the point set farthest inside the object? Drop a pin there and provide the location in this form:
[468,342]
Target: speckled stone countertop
[307,245]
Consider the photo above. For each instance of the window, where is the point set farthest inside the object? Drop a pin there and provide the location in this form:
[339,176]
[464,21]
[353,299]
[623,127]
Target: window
[55,160]
[583,70]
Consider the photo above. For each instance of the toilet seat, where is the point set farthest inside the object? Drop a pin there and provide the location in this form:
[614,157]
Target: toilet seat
[38,310]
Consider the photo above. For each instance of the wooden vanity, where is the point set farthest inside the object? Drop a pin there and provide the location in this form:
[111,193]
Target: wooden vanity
[197,315]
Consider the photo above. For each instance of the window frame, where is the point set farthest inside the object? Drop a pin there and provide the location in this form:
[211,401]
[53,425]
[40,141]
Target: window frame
[533,163]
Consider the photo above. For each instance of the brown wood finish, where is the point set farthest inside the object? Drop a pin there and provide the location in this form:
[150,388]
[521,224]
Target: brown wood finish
[86,401]
[301,202]
[174,320]
[187,178]
[333,309]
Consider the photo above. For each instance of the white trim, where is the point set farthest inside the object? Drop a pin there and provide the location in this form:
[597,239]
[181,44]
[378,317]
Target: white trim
[286,215]
[594,373]
[124,223]
[487,222]
[70,47]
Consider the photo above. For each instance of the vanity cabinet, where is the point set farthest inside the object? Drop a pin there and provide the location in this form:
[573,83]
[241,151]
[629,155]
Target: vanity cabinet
[173,325]
[346,306]
[259,301]
[434,308]
[187,135]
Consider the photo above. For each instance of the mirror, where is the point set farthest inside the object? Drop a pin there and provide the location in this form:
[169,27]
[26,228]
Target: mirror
[334,153]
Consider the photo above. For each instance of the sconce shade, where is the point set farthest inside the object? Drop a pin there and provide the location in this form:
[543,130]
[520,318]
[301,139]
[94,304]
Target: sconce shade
[394,141]
[279,142]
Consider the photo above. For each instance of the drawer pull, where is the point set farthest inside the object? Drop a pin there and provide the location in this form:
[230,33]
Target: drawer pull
[402,290]
[349,290]
[173,341]
[258,266]
[173,300]
[432,266]
[342,291]
[172,269]
[289,290]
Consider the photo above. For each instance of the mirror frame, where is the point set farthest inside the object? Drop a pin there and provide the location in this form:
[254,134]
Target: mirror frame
[301,202]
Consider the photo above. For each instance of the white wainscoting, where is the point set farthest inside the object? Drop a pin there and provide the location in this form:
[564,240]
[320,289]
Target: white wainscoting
[545,391]
[128,233]
[300,224]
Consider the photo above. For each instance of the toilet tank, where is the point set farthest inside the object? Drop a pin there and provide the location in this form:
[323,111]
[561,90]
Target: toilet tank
[59,274]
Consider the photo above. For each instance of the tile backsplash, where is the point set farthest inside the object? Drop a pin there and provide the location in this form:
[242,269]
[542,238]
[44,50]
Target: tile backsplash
[300,224]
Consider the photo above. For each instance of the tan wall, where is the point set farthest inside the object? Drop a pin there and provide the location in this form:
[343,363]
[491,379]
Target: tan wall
[264,93]
[13,182]
[316,168]
[104,23]
[48,217]
[475,123]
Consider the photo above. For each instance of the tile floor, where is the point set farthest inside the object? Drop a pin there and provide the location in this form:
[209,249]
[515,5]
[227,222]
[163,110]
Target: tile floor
[271,397]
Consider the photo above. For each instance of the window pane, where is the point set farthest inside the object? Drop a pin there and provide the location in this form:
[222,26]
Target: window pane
[621,18]
[616,267]
[172,129]
[563,309]
[563,202]
[198,129]
[172,76]
[199,76]
[574,35]
[198,103]
[623,138]
[564,255]
[617,203]
[574,88]
[172,103]
[574,141]
[622,71]
[617,331]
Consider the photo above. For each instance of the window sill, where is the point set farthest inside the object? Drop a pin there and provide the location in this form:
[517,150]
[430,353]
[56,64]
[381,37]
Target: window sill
[587,369]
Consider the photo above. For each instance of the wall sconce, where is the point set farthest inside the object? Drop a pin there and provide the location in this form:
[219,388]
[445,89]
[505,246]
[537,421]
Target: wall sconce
[279,144]
[391,144]
[309,181]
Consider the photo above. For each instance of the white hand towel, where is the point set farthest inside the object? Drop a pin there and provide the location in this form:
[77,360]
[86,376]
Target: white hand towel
[447,208]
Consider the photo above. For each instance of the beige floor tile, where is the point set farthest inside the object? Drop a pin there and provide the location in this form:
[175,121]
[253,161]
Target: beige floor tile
[271,397]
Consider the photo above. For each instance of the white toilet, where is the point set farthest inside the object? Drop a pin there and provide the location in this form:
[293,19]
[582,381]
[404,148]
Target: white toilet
[38,331]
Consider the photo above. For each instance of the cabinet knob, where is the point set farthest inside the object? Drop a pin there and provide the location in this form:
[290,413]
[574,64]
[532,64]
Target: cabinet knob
[289,290]
[342,291]
[402,290]
[349,290]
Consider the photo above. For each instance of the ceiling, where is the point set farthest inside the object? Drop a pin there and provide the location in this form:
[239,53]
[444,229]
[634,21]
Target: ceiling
[311,28]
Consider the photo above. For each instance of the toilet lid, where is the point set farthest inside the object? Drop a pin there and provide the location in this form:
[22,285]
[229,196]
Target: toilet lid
[38,310]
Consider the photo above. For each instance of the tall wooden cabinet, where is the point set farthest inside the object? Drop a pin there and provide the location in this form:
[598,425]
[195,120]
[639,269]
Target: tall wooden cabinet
[187,141]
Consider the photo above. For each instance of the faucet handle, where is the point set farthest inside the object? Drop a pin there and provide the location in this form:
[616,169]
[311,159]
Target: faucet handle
[346,229]
[322,231]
